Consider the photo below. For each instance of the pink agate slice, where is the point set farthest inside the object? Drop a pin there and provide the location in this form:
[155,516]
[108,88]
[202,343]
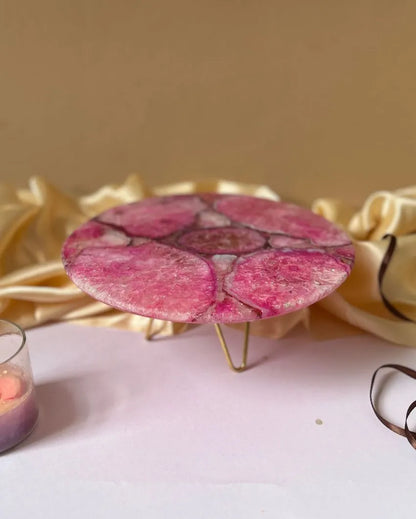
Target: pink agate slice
[208,258]
[282,218]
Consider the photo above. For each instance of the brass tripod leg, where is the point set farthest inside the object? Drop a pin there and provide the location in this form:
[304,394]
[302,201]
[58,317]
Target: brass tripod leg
[149,335]
[243,364]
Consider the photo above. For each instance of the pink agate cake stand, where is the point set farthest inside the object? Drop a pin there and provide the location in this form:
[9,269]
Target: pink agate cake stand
[208,258]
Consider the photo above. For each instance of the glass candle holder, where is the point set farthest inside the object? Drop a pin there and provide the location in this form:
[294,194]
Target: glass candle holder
[18,406]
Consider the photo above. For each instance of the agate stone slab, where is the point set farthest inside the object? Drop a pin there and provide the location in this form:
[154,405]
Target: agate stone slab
[208,258]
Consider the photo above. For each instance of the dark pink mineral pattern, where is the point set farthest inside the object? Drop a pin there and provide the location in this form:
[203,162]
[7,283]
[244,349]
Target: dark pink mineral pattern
[208,258]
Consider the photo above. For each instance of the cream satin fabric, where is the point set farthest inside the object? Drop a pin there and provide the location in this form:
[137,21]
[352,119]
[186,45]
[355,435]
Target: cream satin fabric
[34,289]
[358,300]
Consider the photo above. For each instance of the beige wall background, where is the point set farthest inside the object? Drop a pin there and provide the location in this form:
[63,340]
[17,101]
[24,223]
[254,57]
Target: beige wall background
[312,97]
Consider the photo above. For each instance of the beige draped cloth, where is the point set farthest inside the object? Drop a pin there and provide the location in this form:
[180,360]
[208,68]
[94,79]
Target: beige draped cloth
[34,288]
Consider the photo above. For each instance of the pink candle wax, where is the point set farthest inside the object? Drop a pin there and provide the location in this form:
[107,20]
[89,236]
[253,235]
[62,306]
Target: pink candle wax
[18,408]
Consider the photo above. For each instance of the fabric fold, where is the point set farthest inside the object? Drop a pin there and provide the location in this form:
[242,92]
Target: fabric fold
[34,289]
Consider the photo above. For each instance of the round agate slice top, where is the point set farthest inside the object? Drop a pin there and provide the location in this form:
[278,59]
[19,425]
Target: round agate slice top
[208,258]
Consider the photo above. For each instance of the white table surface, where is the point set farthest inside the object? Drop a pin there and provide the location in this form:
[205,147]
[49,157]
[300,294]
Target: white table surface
[164,429]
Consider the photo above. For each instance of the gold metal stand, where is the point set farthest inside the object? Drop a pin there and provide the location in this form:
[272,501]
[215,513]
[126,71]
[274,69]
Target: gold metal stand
[243,365]
[237,369]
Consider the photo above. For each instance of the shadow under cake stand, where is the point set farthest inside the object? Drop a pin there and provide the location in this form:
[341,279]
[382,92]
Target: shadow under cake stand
[208,258]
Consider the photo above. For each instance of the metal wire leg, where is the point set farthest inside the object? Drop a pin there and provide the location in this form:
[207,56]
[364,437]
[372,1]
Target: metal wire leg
[243,364]
[149,335]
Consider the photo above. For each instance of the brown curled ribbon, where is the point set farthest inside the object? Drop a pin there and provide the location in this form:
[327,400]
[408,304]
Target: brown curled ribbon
[382,272]
[406,432]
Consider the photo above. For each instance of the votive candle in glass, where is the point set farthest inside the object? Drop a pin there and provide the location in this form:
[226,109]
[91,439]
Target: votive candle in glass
[18,406]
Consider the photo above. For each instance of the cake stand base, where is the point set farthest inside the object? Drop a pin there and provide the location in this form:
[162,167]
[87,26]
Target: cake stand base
[237,369]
